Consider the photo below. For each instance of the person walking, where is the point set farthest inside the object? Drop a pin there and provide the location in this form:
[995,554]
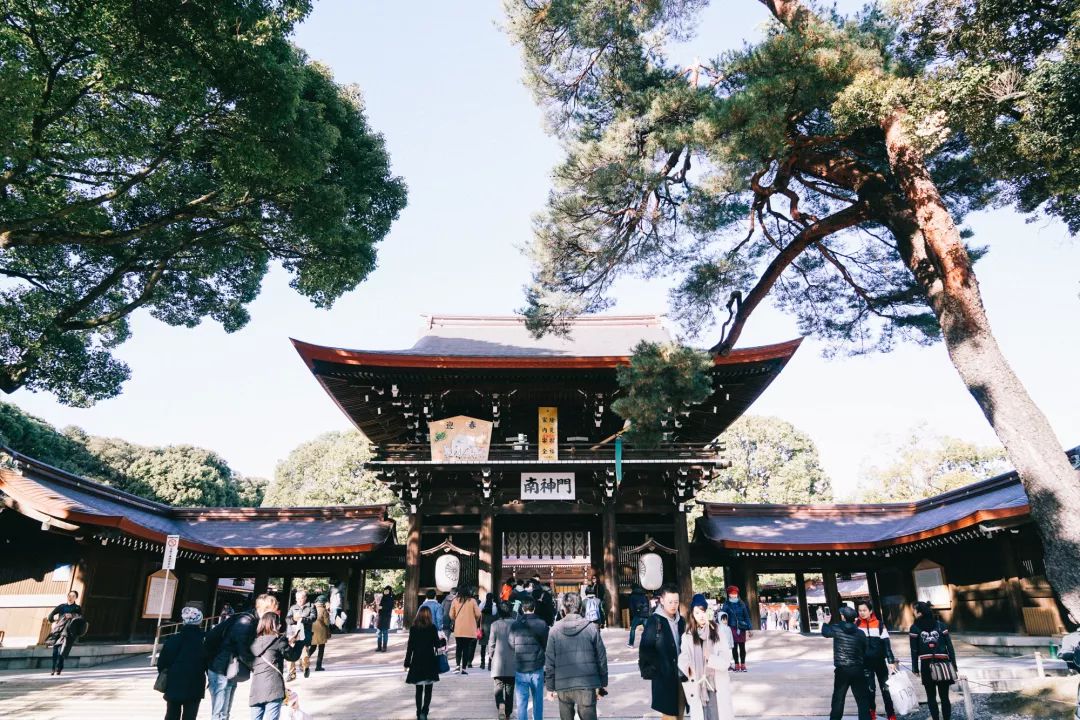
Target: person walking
[421,659]
[434,606]
[66,619]
[659,654]
[703,659]
[529,637]
[738,616]
[183,660]
[933,659]
[270,651]
[302,614]
[784,617]
[488,614]
[386,614]
[465,614]
[639,611]
[879,655]
[545,602]
[849,664]
[320,634]
[594,608]
[228,650]
[502,661]
[575,664]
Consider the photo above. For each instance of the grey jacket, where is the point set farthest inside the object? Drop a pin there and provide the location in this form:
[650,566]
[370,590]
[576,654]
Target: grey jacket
[500,651]
[528,637]
[575,657]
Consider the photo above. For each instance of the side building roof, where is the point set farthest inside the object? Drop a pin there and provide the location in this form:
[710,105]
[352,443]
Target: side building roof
[845,527]
[67,502]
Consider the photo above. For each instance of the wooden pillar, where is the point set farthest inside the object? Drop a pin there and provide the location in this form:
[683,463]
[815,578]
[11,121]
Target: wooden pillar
[262,582]
[486,566]
[1014,594]
[611,566]
[832,592]
[286,594]
[412,568]
[354,597]
[804,607]
[682,563]
[750,594]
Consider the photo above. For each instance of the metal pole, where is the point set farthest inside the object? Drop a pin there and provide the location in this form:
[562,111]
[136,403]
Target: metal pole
[161,613]
[969,708]
[1039,665]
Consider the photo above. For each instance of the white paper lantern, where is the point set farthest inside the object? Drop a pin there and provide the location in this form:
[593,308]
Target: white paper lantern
[650,569]
[447,572]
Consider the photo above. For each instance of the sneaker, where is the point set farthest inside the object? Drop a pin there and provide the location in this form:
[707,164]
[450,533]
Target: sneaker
[629,645]
[319,669]
[307,672]
[464,671]
[732,668]
[873,715]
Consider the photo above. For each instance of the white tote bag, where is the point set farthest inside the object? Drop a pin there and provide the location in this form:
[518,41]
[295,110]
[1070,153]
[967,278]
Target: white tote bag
[903,692]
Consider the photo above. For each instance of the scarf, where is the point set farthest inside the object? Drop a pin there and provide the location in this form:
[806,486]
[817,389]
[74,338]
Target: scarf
[699,662]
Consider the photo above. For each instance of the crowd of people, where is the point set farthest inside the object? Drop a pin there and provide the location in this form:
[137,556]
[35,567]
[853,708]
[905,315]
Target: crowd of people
[536,647]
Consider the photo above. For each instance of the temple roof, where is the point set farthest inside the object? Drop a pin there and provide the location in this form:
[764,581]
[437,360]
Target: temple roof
[70,503]
[461,364]
[1000,499]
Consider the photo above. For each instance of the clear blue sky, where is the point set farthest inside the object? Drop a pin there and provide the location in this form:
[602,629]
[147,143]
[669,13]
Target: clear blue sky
[444,85]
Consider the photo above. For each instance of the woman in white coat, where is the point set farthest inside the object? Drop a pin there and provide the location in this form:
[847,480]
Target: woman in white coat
[703,659]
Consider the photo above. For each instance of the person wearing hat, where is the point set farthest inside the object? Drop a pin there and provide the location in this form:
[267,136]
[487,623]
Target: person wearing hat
[849,661]
[703,660]
[184,661]
[320,633]
[738,619]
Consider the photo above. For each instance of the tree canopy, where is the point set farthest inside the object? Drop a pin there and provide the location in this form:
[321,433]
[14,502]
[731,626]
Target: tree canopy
[772,461]
[163,155]
[927,464]
[181,475]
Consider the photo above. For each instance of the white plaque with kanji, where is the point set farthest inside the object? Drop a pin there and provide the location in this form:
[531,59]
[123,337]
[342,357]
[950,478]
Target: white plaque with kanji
[548,486]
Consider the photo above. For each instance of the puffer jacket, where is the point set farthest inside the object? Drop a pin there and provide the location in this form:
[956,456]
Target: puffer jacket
[528,637]
[738,614]
[575,657]
[878,642]
[232,638]
[849,644]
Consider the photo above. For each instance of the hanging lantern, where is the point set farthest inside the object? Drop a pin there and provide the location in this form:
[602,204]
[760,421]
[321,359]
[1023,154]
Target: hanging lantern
[447,572]
[650,568]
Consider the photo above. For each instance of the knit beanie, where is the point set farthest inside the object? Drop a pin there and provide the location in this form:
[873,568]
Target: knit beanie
[699,601]
[191,615]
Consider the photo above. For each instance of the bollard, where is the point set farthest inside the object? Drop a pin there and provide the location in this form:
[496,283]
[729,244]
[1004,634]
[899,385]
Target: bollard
[965,688]
[1039,664]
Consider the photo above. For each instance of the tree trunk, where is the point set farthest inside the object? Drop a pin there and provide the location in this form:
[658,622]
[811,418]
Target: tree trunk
[937,256]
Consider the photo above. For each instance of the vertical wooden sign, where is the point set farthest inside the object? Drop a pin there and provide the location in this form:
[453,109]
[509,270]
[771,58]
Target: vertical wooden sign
[549,434]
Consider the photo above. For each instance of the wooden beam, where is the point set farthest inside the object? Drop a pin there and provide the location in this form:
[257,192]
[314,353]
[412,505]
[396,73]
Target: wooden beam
[832,592]
[412,568]
[682,563]
[750,593]
[804,606]
[611,557]
[485,568]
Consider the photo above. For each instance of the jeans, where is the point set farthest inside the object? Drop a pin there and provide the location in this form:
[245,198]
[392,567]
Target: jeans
[221,695]
[182,711]
[524,684]
[581,701]
[383,637]
[634,626]
[266,711]
[855,679]
[876,667]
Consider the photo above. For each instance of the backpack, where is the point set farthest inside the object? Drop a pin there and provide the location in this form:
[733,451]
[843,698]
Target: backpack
[639,606]
[592,609]
[215,639]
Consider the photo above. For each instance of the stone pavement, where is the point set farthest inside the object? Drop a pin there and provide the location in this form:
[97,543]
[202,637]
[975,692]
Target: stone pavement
[790,678]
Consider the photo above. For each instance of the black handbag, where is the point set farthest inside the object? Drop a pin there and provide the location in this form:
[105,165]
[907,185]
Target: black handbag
[942,672]
[162,680]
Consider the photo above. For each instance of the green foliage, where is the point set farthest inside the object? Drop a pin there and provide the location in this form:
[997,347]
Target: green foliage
[925,464]
[658,380]
[176,474]
[330,470]
[162,155]
[772,461]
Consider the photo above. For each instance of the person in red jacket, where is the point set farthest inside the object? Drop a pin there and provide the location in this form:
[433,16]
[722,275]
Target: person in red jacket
[878,653]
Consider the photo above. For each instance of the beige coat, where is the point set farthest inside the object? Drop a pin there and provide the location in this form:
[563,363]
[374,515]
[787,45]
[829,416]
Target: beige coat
[320,629]
[466,617]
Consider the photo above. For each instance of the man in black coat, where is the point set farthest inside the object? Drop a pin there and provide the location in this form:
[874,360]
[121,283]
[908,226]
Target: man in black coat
[545,603]
[386,613]
[229,657]
[184,659]
[849,659]
[65,619]
[658,658]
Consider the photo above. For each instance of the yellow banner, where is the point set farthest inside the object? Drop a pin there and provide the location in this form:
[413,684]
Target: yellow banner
[549,434]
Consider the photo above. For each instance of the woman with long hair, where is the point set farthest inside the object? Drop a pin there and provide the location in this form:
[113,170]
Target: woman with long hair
[421,659]
[488,615]
[933,659]
[465,614]
[271,649]
[703,659]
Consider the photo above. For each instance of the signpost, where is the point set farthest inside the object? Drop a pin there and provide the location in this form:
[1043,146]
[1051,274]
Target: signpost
[168,562]
[549,434]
